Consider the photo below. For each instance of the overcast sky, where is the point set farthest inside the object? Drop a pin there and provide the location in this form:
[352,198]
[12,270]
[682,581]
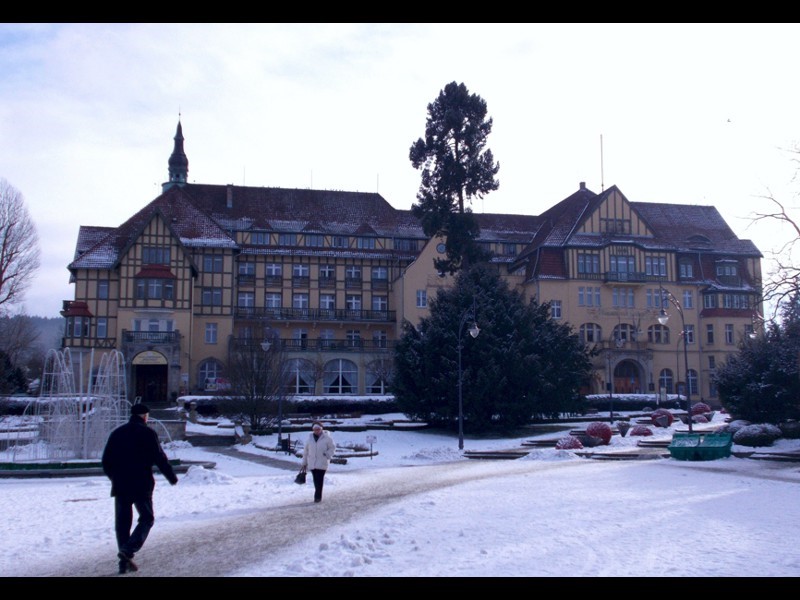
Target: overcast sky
[696,114]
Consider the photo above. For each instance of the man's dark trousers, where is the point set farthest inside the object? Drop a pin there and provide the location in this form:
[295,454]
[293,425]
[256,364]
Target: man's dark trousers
[127,542]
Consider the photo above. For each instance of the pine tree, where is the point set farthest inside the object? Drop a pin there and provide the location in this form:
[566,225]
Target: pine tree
[456,168]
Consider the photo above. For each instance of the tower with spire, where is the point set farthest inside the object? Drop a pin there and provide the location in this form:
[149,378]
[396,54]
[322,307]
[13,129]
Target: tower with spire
[178,163]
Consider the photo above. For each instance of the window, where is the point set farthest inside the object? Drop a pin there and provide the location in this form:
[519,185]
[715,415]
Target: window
[154,289]
[376,378]
[300,301]
[272,300]
[588,296]
[301,376]
[690,334]
[709,334]
[353,302]
[728,333]
[590,333]
[259,238]
[327,272]
[78,327]
[211,333]
[655,299]
[366,243]
[353,337]
[615,225]
[665,380]
[688,299]
[287,239]
[102,327]
[380,273]
[340,376]
[624,332]
[212,263]
[315,240]
[422,299]
[379,338]
[735,300]
[340,241]
[300,270]
[247,269]
[693,381]
[353,273]
[712,362]
[727,270]
[555,309]
[658,334]
[208,371]
[273,270]
[510,249]
[246,300]
[327,301]
[622,297]
[380,303]
[623,264]
[655,266]
[710,301]
[102,289]
[685,270]
[405,245]
[211,297]
[588,263]
[155,255]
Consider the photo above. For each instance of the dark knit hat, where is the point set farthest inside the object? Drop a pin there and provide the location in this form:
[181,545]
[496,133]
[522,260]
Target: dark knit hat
[139,409]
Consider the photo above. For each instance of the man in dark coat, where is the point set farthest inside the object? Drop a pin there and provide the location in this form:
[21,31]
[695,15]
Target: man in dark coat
[128,459]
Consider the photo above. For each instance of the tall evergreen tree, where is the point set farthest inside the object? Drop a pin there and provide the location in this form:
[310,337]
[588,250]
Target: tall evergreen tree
[522,364]
[456,167]
[761,383]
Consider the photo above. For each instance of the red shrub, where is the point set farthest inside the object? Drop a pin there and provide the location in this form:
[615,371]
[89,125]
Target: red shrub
[569,443]
[600,430]
[661,417]
[643,430]
[699,419]
[700,408]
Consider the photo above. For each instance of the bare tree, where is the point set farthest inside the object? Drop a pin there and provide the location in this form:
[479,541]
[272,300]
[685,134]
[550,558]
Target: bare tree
[18,337]
[258,374]
[783,280]
[19,246]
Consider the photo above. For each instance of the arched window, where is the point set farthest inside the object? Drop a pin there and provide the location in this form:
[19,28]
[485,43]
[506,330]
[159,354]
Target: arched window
[378,375]
[590,333]
[208,371]
[658,334]
[665,380]
[301,376]
[340,377]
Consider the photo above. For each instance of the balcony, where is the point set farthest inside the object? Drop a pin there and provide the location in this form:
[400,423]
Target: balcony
[86,342]
[150,337]
[380,284]
[325,345]
[301,281]
[248,280]
[628,277]
[327,282]
[315,314]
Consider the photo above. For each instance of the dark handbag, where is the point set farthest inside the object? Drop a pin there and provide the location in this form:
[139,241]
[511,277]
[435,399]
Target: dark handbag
[301,478]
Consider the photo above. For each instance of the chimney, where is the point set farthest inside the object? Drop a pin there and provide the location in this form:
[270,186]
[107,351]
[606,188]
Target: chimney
[229,196]
[582,185]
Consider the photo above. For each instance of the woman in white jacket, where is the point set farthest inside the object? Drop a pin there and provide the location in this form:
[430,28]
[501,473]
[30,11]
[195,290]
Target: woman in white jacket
[317,455]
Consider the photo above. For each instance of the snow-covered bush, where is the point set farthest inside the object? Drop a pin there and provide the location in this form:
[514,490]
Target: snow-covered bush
[661,417]
[733,426]
[642,430]
[699,419]
[600,430]
[790,429]
[569,442]
[762,434]
[700,408]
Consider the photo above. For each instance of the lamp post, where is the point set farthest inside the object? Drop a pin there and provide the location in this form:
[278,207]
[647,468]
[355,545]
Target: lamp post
[265,346]
[663,317]
[473,331]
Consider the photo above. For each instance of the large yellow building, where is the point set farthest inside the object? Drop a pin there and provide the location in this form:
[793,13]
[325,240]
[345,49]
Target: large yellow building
[333,274]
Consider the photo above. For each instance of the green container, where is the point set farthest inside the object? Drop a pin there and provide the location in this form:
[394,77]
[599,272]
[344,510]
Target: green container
[697,446]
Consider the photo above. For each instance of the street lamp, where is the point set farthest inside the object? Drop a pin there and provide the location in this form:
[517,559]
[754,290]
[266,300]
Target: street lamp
[663,317]
[473,331]
[265,346]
